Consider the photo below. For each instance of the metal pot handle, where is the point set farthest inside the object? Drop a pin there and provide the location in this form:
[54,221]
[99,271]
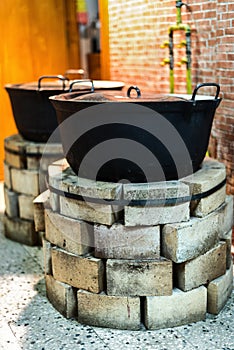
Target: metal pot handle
[204,85]
[82,81]
[138,91]
[60,77]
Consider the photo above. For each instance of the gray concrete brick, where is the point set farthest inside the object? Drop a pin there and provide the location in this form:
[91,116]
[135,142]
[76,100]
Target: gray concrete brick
[102,310]
[185,241]
[39,204]
[15,160]
[155,190]
[208,204]
[26,210]
[47,261]
[15,143]
[7,176]
[89,188]
[201,270]
[92,212]
[21,231]
[120,242]
[11,203]
[45,149]
[175,310]
[228,240]
[219,290]
[46,155]
[33,163]
[74,236]
[152,216]
[155,215]
[211,174]
[27,154]
[225,214]
[83,273]
[62,177]
[62,296]
[55,171]
[54,202]
[25,181]
[139,277]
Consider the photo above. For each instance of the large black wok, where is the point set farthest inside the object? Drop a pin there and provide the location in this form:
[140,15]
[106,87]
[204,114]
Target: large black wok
[139,139]
[34,115]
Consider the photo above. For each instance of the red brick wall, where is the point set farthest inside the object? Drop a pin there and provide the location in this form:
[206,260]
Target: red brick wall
[139,27]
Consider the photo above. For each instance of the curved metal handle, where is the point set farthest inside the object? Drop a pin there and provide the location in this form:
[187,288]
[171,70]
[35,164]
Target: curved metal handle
[60,77]
[138,91]
[205,85]
[82,81]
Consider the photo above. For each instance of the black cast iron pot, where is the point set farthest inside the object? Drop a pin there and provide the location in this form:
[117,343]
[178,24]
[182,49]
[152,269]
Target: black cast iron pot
[139,139]
[34,115]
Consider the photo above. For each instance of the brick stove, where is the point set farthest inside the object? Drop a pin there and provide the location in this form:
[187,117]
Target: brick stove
[24,175]
[136,256]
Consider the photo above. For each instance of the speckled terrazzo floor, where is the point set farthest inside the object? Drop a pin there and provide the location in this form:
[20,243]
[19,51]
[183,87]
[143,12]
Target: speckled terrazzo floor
[28,321]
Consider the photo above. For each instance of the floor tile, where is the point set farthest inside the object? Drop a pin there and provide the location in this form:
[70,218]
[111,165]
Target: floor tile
[168,339]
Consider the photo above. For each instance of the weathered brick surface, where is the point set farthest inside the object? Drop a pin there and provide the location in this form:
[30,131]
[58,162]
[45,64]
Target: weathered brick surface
[72,235]
[120,242]
[89,188]
[25,181]
[20,230]
[44,149]
[219,290]
[24,154]
[62,177]
[84,273]
[39,204]
[225,213]
[47,154]
[102,310]
[175,310]
[62,296]
[92,212]
[206,205]
[55,172]
[155,190]
[54,202]
[202,269]
[7,176]
[15,160]
[210,175]
[15,143]
[152,216]
[185,241]
[11,203]
[47,246]
[139,277]
[26,210]
[155,215]
[228,240]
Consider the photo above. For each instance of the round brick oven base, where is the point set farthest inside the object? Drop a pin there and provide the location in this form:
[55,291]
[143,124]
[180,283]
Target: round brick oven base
[136,256]
[24,175]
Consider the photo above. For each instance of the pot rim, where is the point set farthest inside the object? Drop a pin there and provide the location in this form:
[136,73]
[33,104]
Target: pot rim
[117,97]
[113,96]
[50,86]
